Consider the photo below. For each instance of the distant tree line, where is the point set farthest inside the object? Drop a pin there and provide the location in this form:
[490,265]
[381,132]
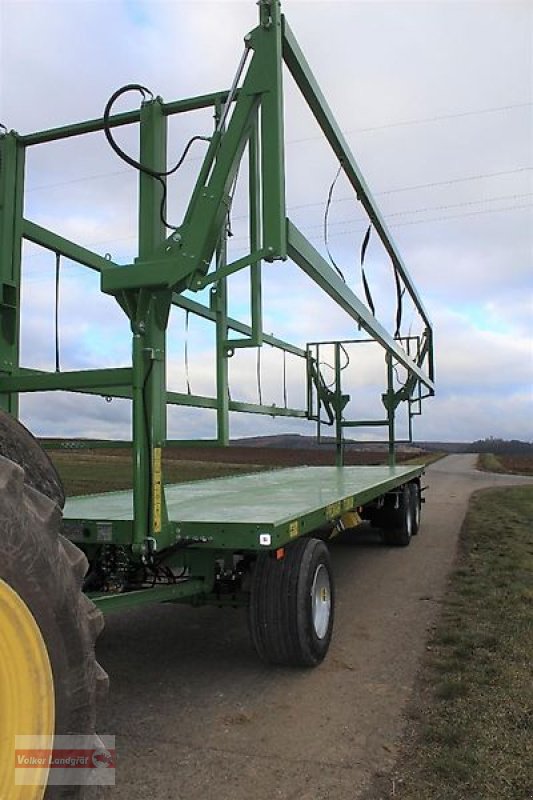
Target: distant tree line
[493,445]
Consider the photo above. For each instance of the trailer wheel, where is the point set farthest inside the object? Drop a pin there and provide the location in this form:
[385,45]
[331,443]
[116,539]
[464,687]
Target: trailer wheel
[398,523]
[417,506]
[292,605]
[49,678]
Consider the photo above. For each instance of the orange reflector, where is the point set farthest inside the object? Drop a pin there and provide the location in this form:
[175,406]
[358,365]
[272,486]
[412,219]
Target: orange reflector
[280,553]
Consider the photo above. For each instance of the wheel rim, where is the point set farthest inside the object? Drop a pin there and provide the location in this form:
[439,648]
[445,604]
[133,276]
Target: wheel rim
[26,691]
[321,601]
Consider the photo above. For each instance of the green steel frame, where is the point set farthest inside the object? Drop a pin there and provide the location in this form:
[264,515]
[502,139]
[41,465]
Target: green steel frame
[249,122]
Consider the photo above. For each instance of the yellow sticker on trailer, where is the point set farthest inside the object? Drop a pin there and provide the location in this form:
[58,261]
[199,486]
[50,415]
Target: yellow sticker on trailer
[156,490]
[334,510]
[294,529]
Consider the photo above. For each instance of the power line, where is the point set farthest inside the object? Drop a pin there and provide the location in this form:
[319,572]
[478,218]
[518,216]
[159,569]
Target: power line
[467,203]
[79,180]
[432,219]
[440,208]
[397,124]
[412,187]
[420,121]
[456,180]
[466,214]
[348,231]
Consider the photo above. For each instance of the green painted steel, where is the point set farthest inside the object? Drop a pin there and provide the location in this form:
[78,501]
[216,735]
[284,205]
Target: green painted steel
[310,260]
[236,513]
[172,261]
[12,157]
[307,84]
[159,594]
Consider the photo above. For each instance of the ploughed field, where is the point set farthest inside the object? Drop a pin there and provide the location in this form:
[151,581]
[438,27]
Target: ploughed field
[87,471]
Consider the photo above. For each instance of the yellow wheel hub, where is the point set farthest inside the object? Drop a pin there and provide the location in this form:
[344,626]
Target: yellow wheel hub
[26,691]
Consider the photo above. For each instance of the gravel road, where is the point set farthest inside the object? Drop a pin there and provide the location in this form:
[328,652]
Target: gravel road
[195,714]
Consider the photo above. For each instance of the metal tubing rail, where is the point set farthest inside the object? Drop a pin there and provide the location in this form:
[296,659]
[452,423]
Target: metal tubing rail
[311,262]
[195,255]
[301,72]
[117,120]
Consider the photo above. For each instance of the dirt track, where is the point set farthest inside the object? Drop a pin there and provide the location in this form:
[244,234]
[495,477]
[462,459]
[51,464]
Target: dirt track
[197,716]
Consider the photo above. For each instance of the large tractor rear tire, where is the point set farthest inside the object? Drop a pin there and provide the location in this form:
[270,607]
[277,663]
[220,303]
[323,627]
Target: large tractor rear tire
[49,678]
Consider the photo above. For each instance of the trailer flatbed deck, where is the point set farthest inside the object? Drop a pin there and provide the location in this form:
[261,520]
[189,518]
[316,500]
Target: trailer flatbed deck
[257,511]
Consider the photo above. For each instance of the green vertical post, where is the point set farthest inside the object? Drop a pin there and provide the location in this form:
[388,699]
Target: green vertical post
[339,438]
[254,180]
[269,49]
[149,340]
[12,157]
[390,409]
[219,304]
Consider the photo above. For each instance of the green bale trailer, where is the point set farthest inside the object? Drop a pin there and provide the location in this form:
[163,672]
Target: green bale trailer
[257,540]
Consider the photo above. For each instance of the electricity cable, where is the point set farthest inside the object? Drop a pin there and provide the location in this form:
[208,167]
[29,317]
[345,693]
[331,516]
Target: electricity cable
[326,216]
[158,175]
[366,287]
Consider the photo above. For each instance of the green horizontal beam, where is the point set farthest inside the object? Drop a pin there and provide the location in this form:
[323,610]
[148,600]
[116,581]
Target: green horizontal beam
[310,261]
[192,443]
[76,380]
[234,325]
[230,269]
[302,74]
[117,120]
[159,594]
[191,400]
[199,401]
[58,244]
[364,423]
[271,411]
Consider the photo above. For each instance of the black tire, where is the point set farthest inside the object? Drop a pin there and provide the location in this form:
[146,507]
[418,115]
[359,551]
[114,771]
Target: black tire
[46,571]
[19,445]
[286,627]
[398,522]
[417,506]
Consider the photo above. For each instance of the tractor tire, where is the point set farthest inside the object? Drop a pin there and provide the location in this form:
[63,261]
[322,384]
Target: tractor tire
[292,605]
[19,445]
[50,685]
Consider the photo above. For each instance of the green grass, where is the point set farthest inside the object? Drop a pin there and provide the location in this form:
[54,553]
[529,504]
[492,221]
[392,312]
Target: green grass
[508,463]
[424,459]
[471,726]
[91,471]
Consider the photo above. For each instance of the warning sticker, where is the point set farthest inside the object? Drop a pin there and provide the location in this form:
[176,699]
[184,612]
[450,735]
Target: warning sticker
[333,510]
[104,531]
[156,490]
[294,529]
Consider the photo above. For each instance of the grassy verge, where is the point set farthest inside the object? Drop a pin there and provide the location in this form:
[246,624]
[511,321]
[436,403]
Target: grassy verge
[424,459]
[91,471]
[471,725]
[506,463]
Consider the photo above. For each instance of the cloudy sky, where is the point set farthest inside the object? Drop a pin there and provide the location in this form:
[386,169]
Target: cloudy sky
[436,102]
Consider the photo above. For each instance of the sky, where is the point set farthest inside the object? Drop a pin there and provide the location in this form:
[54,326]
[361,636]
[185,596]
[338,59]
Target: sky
[436,102]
